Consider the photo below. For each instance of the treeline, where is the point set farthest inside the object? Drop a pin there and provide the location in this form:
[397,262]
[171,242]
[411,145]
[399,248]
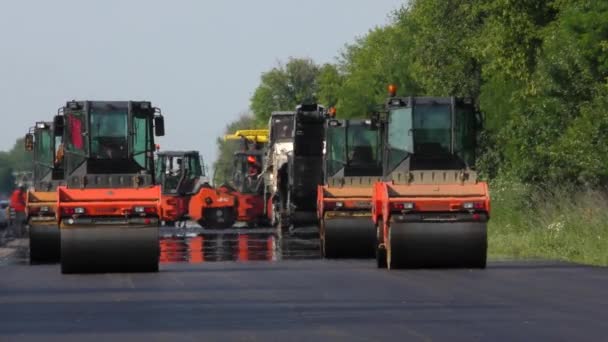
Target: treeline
[537,69]
[15,160]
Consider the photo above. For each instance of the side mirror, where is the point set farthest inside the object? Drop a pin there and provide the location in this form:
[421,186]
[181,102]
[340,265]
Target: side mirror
[29,142]
[58,124]
[159,126]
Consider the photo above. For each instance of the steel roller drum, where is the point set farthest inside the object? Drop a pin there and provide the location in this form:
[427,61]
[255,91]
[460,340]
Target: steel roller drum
[437,245]
[110,248]
[44,242]
[349,237]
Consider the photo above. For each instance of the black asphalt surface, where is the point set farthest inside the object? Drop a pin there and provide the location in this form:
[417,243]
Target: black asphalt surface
[278,290]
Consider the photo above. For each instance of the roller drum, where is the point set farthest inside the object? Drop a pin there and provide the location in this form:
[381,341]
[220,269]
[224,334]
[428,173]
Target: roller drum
[44,242]
[100,249]
[303,218]
[437,245]
[348,237]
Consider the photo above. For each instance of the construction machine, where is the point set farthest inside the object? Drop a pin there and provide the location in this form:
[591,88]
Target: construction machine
[180,174]
[41,199]
[187,193]
[352,164]
[247,184]
[109,209]
[431,210]
[294,165]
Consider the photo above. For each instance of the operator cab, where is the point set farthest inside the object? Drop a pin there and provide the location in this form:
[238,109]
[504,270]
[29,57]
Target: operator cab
[430,133]
[109,143]
[353,149]
[281,127]
[48,168]
[247,169]
[179,172]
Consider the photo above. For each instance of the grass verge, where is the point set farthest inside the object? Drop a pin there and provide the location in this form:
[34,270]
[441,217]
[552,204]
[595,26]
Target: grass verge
[528,222]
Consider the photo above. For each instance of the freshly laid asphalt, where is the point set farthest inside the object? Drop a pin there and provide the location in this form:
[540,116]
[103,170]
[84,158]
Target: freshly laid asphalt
[289,294]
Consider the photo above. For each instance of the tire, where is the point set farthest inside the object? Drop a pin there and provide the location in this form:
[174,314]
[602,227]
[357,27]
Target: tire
[381,258]
[380,252]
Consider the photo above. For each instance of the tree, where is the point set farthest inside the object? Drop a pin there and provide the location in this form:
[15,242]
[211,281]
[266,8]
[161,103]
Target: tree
[17,159]
[284,87]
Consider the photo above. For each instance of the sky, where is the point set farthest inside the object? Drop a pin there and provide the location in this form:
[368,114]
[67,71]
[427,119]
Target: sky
[198,60]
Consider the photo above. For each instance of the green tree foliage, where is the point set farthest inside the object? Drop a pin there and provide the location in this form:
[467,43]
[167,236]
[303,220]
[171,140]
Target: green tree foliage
[537,69]
[284,87]
[17,159]
[370,64]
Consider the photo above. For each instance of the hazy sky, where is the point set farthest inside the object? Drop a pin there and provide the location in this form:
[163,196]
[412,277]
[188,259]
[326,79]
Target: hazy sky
[199,61]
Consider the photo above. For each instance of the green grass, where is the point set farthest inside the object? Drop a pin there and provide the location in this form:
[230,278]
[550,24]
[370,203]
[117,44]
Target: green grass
[558,224]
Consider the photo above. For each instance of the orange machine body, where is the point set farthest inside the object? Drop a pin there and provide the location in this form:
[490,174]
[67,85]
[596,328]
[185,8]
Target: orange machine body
[209,199]
[109,203]
[430,201]
[249,208]
[334,200]
[174,207]
[41,205]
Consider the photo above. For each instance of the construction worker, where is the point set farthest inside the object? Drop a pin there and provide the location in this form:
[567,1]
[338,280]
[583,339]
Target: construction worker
[17,203]
[59,155]
[253,172]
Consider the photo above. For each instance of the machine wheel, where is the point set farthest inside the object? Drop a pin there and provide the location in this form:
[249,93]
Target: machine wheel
[328,251]
[381,257]
[349,237]
[380,251]
[44,243]
[98,249]
[437,245]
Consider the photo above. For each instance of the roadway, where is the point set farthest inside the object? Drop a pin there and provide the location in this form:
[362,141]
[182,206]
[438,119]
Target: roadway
[235,286]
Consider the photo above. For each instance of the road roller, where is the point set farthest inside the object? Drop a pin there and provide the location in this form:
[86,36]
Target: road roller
[213,208]
[181,175]
[430,210]
[187,194]
[41,199]
[108,210]
[352,165]
[294,165]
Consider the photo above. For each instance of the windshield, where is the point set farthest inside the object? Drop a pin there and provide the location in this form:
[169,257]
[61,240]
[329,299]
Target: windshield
[432,129]
[427,133]
[109,134]
[282,127]
[336,149]
[74,140]
[362,146]
[44,147]
[43,153]
[400,138]
[247,168]
[353,146]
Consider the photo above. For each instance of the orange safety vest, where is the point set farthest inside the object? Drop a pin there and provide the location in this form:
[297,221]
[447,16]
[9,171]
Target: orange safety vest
[18,200]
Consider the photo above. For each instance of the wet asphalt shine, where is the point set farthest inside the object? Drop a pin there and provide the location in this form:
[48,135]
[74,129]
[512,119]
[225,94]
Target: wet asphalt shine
[249,285]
